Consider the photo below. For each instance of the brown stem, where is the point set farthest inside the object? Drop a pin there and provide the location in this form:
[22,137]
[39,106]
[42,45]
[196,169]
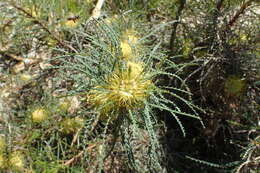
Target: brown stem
[239,12]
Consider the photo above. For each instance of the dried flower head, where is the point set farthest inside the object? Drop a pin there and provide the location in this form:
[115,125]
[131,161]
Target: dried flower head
[127,88]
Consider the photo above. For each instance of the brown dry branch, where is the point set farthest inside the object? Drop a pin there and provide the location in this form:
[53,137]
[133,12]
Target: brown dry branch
[69,162]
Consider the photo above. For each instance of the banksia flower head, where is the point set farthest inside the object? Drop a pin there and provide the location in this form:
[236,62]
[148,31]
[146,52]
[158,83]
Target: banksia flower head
[125,88]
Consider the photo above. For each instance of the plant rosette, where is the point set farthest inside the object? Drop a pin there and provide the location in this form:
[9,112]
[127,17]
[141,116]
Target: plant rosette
[39,115]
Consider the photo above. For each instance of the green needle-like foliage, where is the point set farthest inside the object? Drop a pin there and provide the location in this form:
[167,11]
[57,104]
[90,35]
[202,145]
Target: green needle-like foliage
[120,81]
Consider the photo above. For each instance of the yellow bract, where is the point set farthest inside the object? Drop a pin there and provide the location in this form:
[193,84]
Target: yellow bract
[126,88]
[39,115]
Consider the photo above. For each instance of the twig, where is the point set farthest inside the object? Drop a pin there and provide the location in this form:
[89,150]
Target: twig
[41,24]
[239,12]
[97,10]
[73,158]
[174,26]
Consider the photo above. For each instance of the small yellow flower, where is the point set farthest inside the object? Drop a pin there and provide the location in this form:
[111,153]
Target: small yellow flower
[72,125]
[39,115]
[16,160]
[127,88]
[126,50]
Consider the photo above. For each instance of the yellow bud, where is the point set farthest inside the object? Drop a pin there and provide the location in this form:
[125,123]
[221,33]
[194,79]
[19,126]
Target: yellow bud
[126,50]
[72,125]
[39,115]
[25,77]
[16,160]
[64,105]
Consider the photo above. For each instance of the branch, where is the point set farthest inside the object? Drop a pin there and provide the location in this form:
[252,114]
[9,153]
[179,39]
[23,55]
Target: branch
[97,10]
[174,26]
[239,12]
[44,27]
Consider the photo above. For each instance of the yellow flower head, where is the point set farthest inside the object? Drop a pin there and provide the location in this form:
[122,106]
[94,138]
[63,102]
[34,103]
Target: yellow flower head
[16,160]
[39,115]
[126,88]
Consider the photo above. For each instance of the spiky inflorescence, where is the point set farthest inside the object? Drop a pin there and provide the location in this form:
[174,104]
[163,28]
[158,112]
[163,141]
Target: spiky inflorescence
[125,88]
